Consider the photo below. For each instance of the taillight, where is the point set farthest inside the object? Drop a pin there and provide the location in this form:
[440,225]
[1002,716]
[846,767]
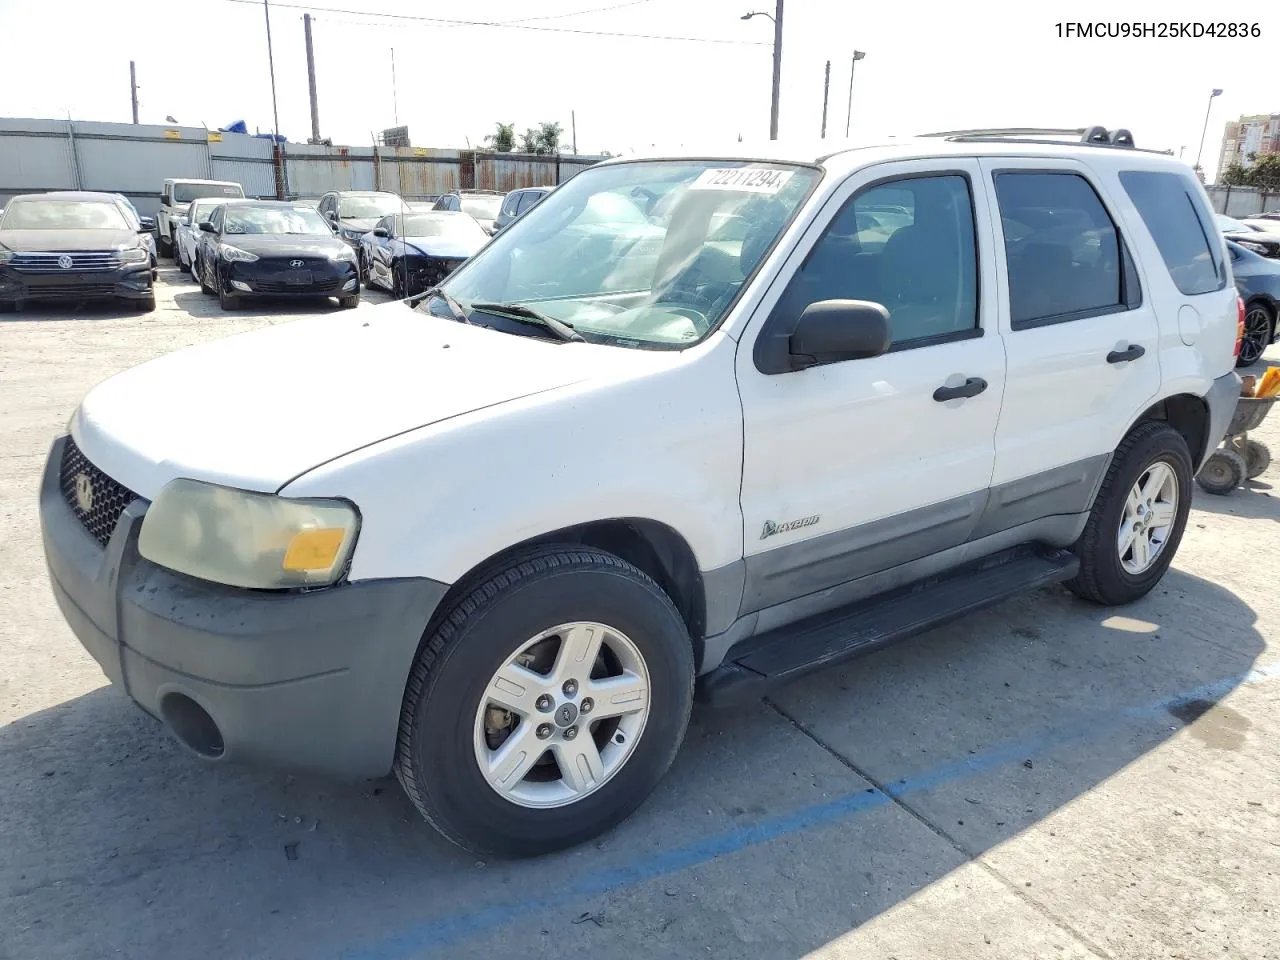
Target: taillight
[1239,324]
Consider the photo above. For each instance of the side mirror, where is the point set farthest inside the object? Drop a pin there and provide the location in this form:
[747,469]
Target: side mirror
[380,232]
[332,215]
[146,224]
[206,226]
[832,330]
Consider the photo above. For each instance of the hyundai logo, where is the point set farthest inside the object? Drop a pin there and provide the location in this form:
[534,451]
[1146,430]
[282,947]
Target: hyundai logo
[295,263]
[64,262]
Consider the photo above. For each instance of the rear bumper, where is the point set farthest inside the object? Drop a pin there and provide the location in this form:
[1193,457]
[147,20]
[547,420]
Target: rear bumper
[1221,401]
[131,282]
[301,681]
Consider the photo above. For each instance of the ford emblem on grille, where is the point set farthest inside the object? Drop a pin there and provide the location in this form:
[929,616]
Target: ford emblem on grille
[295,263]
[64,262]
[84,492]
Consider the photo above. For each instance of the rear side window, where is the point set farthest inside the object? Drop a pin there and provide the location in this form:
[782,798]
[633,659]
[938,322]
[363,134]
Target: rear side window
[1171,207]
[1066,259]
[528,200]
[510,204]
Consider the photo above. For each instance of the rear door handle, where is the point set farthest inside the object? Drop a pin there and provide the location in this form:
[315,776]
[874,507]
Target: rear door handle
[1121,356]
[970,388]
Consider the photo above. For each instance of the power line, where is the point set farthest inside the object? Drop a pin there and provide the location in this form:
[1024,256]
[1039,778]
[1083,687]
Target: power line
[579,13]
[508,26]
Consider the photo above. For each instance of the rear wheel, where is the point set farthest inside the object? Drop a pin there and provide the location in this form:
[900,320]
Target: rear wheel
[547,704]
[1138,517]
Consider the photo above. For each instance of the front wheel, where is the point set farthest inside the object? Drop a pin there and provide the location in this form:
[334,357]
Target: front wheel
[226,300]
[1257,334]
[1138,517]
[548,703]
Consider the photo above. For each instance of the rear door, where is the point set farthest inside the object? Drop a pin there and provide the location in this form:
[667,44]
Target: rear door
[1081,337]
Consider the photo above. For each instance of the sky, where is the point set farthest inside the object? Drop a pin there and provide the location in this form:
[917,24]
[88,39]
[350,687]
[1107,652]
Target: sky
[929,65]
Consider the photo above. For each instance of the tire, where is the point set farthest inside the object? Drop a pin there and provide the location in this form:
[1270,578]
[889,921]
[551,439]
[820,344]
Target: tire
[349,303]
[1259,329]
[183,266]
[1103,576]
[398,291]
[1222,472]
[8,306]
[148,305]
[227,301]
[437,754]
[164,246]
[198,269]
[1257,458]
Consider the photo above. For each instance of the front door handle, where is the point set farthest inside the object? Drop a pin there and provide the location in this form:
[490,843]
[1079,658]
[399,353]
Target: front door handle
[970,388]
[1121,356]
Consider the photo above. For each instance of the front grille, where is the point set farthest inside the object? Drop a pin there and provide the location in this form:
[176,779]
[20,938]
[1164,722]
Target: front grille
[82,290]
[82,482]
[319,286]
[82,260]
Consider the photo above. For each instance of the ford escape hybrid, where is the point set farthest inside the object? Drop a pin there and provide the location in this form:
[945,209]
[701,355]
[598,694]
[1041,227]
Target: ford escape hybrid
[695,423]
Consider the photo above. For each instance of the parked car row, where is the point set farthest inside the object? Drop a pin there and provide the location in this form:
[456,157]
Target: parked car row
[1254,246]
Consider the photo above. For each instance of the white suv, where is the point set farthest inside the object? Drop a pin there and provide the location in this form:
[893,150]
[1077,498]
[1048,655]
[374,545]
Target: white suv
[489,537]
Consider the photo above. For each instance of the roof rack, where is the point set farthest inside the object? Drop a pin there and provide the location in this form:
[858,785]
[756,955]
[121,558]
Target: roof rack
[1097,136]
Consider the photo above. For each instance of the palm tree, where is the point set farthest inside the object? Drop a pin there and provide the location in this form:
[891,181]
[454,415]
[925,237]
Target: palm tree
[503,139]
[549,136]
[529,141]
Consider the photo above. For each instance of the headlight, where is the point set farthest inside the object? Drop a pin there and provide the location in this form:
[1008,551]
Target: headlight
[1255,247]
[135,255]
[343,253]
[232,254]
[245,539]
[6,256]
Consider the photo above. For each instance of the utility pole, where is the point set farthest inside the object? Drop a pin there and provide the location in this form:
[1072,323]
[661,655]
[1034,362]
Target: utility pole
[133,89]
[395,106]
[271,63]
[848,116]
[826,88]
[573,125]
[777,72]
[311,80]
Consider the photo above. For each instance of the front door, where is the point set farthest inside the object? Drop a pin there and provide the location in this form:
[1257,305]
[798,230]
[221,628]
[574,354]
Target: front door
[850,468]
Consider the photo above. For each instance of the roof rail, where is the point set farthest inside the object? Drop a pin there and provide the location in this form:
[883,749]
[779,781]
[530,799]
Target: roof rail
[1097,136]
[1008,132]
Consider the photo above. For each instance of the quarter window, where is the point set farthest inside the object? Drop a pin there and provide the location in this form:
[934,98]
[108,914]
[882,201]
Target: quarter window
[1180,225]
[907,244]
[1065,257]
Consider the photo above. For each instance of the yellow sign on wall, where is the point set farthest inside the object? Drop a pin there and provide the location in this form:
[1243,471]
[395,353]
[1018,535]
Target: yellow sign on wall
[173,134]
[215,136]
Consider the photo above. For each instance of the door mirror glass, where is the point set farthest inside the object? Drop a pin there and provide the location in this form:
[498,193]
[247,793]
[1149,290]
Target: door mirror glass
[381,232]
[332,215]
[206,226]
[833,330]
[146,224]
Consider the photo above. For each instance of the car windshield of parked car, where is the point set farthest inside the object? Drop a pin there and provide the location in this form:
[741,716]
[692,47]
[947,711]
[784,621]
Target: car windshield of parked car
[63,215]
[1228,225]
[361,208]
[482,207]
[301,220]
[439,225]
[186,192]
[590,256]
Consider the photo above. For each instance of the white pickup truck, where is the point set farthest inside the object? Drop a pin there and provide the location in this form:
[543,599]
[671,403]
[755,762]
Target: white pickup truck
[177,196]
[494,537]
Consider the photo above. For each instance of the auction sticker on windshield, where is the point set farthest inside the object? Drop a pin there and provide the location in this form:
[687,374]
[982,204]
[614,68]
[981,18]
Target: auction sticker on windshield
[743,179]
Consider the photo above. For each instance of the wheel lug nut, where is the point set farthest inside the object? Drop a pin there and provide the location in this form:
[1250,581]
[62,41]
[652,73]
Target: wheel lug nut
[545,703]
[570,732]
[587,705]
[570,687]
[544,731]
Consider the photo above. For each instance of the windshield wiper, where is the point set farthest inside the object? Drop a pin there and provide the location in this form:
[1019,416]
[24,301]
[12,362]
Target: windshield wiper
[459,312]
[519,311]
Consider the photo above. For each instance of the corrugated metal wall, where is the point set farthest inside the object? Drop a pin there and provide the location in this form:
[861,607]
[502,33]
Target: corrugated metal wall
[39,155]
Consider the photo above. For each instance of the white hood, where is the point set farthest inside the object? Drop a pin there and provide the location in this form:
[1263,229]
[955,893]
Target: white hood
[256,410]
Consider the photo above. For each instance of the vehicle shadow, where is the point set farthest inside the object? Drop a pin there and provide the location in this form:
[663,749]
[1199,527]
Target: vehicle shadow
[119,841]
[44,310]
[1254,501]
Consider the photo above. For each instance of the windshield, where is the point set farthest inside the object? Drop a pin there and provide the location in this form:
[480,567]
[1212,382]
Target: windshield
[482,207]
[361,208]
[1227,225]
[453,225]
[63,215]
[590,255]
[186,192]
[275,220]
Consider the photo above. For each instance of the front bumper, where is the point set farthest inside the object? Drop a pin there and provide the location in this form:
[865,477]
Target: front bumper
[277,278]
[130,282]
[302,681]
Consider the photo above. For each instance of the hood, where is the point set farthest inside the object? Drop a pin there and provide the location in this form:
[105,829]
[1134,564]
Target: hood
[447,247]
[44,240]
[259,409]
[363,224]
[285,244]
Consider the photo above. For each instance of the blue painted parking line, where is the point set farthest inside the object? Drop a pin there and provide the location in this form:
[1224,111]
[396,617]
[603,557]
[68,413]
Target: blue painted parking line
[419,939]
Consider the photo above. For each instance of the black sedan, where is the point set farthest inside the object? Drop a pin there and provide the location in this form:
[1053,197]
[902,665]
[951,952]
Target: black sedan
[72,246]
[1258,283]
[266,248]
[411,253]
[1251,238]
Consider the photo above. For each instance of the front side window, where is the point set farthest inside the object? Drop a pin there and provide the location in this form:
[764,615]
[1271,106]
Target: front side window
[64,215]
[1065,257]
[589,255]
[906,244]
[528,200]
[1170,205]
[511,203]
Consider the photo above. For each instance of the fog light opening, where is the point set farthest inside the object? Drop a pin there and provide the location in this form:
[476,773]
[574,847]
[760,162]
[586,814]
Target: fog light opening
[350,284]
[192,725]
[241,285]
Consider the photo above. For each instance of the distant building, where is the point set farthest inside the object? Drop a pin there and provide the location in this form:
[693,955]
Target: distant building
[1248,136]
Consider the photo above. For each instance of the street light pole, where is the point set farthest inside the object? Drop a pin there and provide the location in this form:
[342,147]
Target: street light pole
[857,55]
[271,63]
[776,17]
[826,86]
[1205,131]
